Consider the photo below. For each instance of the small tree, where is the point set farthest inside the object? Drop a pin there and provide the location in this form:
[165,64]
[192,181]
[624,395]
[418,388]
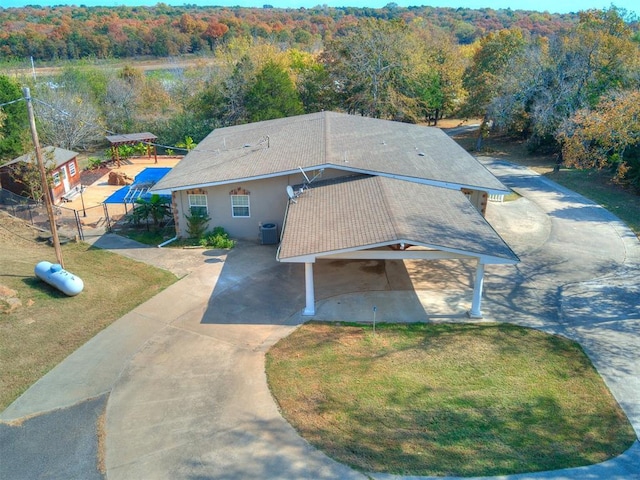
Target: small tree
[155,207]
[188,144]
[197,223]
[28,174]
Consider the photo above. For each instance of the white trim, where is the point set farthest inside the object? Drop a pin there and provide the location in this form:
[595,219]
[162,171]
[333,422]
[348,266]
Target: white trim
[398,255]
[191,196]
[422,181]
[234,206]
[368,252]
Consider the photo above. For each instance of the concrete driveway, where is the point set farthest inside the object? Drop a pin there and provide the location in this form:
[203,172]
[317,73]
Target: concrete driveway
[181,378]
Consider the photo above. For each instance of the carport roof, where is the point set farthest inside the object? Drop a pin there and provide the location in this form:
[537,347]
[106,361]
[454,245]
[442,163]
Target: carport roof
[366,212]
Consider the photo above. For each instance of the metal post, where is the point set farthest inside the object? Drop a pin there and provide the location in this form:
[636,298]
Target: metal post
[84,211]
[79,225]
[43,177]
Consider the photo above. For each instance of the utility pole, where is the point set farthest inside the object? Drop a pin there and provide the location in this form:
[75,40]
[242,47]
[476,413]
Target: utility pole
[43,177]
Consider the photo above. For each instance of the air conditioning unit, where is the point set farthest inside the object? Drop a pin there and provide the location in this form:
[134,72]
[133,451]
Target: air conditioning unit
[269,234]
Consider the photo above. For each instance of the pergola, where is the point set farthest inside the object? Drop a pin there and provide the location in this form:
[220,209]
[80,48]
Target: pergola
[133,139]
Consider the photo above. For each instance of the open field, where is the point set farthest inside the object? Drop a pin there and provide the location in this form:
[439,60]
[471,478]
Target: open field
[144,64]
[446,399]
[39,325]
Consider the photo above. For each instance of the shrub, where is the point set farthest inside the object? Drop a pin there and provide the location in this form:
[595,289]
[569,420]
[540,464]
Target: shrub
[93,163]
[217,238]
[197,223]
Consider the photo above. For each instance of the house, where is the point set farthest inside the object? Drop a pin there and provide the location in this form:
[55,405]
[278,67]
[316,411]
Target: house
[343,186]
[65,174]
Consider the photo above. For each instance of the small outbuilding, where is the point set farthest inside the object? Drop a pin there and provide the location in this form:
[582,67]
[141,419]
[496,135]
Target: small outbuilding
[64,174]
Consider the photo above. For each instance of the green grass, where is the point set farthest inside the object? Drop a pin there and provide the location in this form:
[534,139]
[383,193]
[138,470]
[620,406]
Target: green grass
[49,325]
[596,185]
[446,399]
[599,187]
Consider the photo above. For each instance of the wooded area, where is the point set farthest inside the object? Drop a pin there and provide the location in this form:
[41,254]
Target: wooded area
[71,32]
[568,84]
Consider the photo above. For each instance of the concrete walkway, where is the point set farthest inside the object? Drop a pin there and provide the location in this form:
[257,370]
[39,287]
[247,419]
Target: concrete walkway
[184,372]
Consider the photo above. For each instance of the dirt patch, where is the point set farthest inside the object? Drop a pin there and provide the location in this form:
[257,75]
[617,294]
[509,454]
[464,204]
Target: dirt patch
[89,177]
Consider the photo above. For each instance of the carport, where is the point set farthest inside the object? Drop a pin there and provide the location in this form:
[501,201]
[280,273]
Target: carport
[379,218]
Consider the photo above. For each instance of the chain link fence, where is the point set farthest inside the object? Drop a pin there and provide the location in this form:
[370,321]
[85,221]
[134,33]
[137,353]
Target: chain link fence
[70,223]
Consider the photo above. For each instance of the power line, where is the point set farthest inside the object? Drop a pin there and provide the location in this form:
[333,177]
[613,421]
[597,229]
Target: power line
[11,102]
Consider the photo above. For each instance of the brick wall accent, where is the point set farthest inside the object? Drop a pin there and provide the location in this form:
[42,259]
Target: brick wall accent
[239,191]
[196,191]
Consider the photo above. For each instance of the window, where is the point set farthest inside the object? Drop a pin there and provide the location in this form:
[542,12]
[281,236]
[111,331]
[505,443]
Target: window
[72,168]
[198,204]
[56,179]
[240,205]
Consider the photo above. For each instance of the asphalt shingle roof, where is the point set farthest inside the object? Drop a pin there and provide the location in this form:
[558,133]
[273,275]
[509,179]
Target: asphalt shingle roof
[329,139]
[369,211]
[60,156]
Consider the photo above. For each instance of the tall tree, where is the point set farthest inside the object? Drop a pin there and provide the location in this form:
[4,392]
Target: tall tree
[67,119]
[551,81]
[314,84]
[603,136]
[369,62]
[485,75]
[273,95]
[14,129]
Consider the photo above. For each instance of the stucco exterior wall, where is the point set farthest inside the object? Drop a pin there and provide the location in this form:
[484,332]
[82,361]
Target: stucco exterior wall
[267,203]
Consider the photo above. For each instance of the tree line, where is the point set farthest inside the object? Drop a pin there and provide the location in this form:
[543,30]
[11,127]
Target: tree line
[573,93]
[76,32]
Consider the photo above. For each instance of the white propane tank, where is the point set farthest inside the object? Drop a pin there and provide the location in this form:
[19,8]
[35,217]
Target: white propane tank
[58,277]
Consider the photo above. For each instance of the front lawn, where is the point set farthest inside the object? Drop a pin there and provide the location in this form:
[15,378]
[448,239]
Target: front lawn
[446,399]
[47,325]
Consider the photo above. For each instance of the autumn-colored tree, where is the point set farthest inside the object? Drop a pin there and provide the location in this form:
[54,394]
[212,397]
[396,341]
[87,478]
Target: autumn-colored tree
[485,75]
[437,75]
[548,82]
[602,136]
[214,33]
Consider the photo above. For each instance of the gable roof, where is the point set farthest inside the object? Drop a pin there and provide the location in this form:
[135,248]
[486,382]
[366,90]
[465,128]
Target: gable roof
[131,138]
[333,218]
[60,156]
[329,139]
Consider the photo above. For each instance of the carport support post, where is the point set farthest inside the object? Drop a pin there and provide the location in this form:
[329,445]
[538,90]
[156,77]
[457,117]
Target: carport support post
[475,311]
[310,308]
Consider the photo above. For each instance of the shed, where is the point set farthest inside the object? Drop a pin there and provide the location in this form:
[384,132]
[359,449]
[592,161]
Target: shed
[65,174]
